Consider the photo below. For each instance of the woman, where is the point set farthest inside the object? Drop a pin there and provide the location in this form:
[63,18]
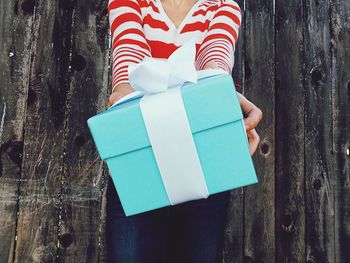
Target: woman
[192,231]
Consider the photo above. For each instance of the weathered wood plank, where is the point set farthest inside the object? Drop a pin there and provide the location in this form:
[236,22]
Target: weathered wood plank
[238,68]
[234,234]
[102,253]
[44,123]
[103,256]
[341,125]
[289,110]
[83,168]
[319,174]
[15,42]
[259,87]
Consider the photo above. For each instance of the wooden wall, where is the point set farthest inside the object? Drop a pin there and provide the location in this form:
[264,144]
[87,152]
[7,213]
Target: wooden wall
[292,60]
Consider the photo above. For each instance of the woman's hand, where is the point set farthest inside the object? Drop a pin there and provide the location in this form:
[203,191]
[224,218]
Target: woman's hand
[119,92]
[254,116]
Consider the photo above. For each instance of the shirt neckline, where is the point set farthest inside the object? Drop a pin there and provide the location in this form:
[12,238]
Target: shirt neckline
[183,22]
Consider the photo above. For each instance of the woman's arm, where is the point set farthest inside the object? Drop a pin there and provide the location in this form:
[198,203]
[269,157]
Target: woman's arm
[218,46]
[217,51]
[129,45]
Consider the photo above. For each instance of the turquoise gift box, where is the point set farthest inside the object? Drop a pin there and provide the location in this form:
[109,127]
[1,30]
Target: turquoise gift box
[215,119]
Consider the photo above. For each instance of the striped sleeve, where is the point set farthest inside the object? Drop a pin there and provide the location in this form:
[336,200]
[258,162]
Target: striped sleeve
[219,43]
[129,44]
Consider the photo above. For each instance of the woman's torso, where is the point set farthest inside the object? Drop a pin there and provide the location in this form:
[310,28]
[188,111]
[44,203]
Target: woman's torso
[142,28]
[161,33]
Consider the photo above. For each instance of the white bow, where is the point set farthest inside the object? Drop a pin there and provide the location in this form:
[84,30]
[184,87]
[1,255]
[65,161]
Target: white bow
[161,75]
[154,75]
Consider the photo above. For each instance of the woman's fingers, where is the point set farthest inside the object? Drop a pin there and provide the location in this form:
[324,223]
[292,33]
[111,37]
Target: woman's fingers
[253,119]
[253,113]
[119,92]
[115,96]
[254,140]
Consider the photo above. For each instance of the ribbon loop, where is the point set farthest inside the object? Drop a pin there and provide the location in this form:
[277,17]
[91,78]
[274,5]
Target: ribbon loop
[154,75]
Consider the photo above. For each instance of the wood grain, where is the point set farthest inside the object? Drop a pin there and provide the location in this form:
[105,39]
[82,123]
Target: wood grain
[234,231]
[259,87]
[83,169]
[15,43]
[341,126]
[39,203]
[319,172]
[290,127]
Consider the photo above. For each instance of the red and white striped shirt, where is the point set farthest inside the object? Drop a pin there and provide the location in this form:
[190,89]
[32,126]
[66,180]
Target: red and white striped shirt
[142,28]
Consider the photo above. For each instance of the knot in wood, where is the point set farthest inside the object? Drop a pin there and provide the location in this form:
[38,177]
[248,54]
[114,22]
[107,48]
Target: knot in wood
[316,74]
[79,140]
[78,62]
[65,239]
[28,7]
[287,223]
[317,184]
[265,148]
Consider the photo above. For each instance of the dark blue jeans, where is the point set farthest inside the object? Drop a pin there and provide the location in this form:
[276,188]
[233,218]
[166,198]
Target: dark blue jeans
[190,232]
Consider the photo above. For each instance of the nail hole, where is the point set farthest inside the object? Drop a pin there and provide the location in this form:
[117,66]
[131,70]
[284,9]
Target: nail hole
[265,148]
[316,75]
[317,184]
[348,86]
[78,62]
[287,221]
[14,150]
[79,140]
[28,7]
[347,183]
[66,239]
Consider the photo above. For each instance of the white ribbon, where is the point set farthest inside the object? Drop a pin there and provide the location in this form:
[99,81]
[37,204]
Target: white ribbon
[166,121]
[154,75]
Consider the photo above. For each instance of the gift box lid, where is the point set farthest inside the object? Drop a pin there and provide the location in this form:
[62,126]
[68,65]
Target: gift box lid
[209,103]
